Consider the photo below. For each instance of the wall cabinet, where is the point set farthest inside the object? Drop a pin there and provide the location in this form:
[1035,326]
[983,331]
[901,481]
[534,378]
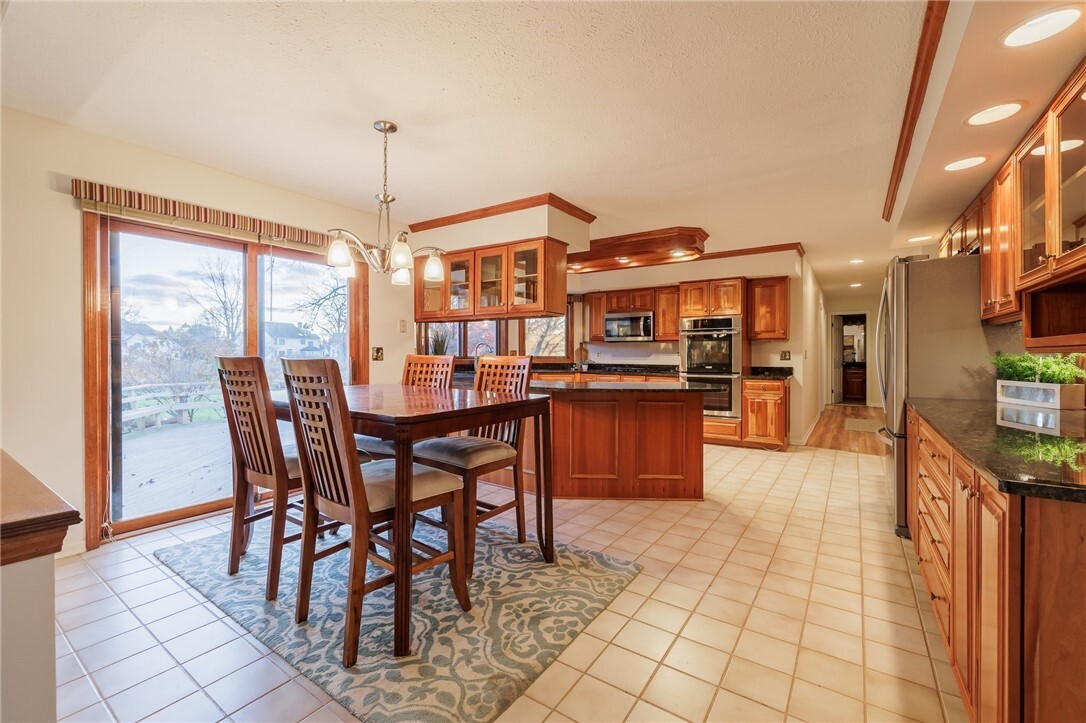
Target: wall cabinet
[765,412]
[666,313]
[630,300]
[595,306]
[527,278]
[998,226]
[717,297]
[767,308]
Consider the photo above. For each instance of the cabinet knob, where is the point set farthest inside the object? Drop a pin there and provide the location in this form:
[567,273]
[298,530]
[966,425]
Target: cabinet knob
[935,497]
[932,455]
[1005,297]
[781,331]
[962,486]
[933,541]
[935,597]
[989,302]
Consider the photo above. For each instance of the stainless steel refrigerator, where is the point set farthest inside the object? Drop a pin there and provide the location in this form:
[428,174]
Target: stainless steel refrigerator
[929,342]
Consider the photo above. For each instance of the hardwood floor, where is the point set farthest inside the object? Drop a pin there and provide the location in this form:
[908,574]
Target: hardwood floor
[830,432]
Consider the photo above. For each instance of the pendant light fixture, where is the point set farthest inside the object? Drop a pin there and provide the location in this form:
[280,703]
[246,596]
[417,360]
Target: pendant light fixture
[387,255]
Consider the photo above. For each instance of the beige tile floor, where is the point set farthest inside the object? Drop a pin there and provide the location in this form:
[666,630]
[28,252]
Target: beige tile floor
[783,595]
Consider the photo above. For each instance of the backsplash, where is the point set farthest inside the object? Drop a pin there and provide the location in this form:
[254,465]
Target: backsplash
[634,352]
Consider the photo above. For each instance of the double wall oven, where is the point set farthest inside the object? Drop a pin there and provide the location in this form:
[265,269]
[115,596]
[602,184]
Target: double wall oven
[711,351]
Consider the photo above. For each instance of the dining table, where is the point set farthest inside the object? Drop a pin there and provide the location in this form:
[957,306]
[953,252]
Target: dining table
[406,414]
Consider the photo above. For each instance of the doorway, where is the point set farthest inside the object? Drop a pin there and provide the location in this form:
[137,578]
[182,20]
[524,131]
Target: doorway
[850,369]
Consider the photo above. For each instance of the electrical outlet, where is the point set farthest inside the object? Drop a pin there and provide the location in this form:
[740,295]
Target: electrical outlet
[403,326]
[786,356]
[378,353]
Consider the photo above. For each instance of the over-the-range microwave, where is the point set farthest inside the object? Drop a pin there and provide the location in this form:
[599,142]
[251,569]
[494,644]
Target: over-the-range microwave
[628,326]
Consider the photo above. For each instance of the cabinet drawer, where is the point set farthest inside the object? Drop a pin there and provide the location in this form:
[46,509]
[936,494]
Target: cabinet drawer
[751,385]
[722,429]
[936,544]
[934,448]
[933,494]
[937,584]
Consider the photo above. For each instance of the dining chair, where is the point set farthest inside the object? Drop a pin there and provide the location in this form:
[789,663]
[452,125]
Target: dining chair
[260,463]
[419,370]
[486,449]
[360,495]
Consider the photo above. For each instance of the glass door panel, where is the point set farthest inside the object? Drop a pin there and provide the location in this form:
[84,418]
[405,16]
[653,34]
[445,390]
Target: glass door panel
[175,307]
[1031,177]
[459,294]
[491,267]
[526,263]
[1071,142]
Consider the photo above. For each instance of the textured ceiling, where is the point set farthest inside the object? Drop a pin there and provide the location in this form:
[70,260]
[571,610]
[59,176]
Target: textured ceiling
[762,122]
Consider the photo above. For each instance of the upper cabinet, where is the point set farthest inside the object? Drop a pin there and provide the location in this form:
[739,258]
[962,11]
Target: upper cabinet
[1029,162]
[667,313]
[527,278]
[595,307]
[767,308]
[1069,203]
[630,300]
[719,297]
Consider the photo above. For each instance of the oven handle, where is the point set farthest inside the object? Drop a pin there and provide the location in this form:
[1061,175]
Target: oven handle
[714,332]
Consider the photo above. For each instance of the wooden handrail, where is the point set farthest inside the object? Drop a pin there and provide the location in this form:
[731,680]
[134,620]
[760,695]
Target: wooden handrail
[33,519]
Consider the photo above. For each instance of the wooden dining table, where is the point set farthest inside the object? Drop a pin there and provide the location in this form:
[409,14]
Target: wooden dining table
[405,415]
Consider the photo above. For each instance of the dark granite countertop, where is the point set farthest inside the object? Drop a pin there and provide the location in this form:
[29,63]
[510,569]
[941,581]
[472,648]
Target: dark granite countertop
[544,387]
[769,373]
[996,449]
[594,368]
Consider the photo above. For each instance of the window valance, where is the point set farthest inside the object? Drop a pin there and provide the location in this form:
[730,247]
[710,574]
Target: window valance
[126,203]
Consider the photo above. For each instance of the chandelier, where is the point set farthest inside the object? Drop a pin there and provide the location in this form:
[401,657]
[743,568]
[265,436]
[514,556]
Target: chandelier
[388,255]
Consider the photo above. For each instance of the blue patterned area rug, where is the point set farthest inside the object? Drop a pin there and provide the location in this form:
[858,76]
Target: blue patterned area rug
[466,666]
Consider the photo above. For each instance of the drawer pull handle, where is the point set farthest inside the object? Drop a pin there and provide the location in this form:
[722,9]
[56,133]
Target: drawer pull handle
[932,455]
[934,498]
[934,542]
[962,486]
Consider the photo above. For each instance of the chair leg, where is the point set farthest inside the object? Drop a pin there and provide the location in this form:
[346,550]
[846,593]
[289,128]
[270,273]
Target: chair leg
[356,583]
[457,567]
[275,552]
[306,554]
[471,519]
[518,495]
[239,531]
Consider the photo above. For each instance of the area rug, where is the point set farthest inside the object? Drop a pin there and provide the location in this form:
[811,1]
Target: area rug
[466,666]
[862,425]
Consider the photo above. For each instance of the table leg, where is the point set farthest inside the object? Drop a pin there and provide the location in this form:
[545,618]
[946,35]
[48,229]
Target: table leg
[548,487]
[401,536]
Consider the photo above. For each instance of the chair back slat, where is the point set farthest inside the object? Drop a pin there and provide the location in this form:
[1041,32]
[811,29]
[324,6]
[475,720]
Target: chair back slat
[322,425]
[420,370]
[250,416]
[508,375]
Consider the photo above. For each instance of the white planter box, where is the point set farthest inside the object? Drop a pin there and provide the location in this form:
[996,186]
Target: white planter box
[1040,394]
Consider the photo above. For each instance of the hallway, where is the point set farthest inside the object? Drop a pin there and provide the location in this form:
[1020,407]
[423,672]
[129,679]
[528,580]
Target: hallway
[830,432]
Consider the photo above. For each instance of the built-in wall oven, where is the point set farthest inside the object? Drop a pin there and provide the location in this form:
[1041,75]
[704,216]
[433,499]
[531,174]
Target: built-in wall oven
[711,351]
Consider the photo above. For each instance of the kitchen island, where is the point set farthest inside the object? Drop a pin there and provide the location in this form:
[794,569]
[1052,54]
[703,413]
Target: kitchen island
[626,440]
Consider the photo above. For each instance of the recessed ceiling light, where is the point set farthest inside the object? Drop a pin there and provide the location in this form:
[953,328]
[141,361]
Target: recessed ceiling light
[965,163]
[622,259]
[856,261]
[855,285]
[1041,27]
[994,114]
[576,267]
[678,252]
[1069,144]
[918,239]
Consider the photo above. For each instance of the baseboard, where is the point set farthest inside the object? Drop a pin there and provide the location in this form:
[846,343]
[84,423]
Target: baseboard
[810,430]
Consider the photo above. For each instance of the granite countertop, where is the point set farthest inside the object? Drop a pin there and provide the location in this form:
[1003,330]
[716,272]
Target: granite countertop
[545,387]
[594,368]
[769,373]
[971,428]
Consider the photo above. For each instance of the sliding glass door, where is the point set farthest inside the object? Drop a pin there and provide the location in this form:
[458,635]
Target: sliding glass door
[178,300]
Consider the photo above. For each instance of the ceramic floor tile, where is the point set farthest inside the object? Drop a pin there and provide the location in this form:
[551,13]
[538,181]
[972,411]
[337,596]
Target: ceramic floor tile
[623,669]
[550,687]
[582,652]
[523,710]
[662,615]
[152,695]
[758,683]
[289,702]
[195,707]
[700,661]
[899,663]
[114,678]
[243,686]
[767,651]
[679,693]
[902,696]
[829,672]
[75,695]
[714,633]
[593,700]
[644,639]
[221,661]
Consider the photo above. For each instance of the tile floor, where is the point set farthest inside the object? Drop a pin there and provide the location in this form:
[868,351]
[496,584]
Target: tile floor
[783,595]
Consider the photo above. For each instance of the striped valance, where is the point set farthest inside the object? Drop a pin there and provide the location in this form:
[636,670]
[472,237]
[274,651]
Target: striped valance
[124,202]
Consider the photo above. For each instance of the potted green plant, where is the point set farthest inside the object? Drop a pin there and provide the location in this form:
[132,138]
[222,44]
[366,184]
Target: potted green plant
[1042,448]
[1051,381]
[439,340]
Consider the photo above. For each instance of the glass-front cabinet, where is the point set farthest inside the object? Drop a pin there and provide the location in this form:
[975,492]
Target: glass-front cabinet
[526,289]
[459,268]
[429,295]
[1032,206]
[492,275]
[1070,169]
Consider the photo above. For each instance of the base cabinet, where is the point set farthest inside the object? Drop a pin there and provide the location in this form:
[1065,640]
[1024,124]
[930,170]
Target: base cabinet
[765,412]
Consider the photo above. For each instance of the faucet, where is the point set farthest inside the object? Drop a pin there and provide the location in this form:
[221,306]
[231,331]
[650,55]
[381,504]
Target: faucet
[487,349]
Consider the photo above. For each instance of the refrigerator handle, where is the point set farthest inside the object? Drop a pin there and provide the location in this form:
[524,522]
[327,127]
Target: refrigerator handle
[880,342]
[885,436]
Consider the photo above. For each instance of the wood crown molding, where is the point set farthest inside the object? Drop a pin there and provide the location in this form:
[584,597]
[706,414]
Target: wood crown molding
[33,519]
[609,264]
[543,199]
[930,33]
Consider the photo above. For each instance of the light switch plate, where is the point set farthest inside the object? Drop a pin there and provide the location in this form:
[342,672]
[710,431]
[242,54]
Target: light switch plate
[786,356]
[403,326]
[378,353]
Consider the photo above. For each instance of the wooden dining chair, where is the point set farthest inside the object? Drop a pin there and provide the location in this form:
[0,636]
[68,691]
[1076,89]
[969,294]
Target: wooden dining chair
[419,370]
[362,496]
[487,449]
[260,463]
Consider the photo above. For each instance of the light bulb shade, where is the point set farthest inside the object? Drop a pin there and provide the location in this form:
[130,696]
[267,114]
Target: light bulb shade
[434,269]
[401,277]
[339,254]
[346,272]
[400,256]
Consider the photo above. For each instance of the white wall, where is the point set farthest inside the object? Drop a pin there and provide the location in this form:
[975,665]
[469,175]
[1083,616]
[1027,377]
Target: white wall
[41,285]
[806,321]
[513,226]
[858,304]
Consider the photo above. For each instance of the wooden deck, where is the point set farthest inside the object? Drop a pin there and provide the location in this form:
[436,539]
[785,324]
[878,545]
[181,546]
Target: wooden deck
[173,466]
[830,432]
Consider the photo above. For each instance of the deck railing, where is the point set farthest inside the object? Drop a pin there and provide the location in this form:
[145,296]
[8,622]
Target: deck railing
[170,403]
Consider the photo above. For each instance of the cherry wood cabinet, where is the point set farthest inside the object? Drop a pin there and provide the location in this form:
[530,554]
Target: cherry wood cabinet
[618,301]
[1004,243]
[694,299]
[767,308]
[527,278]
[855,380]
[595,306]
[765,412]
[630,300]
[642,300]
[716,297]
[666,313]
